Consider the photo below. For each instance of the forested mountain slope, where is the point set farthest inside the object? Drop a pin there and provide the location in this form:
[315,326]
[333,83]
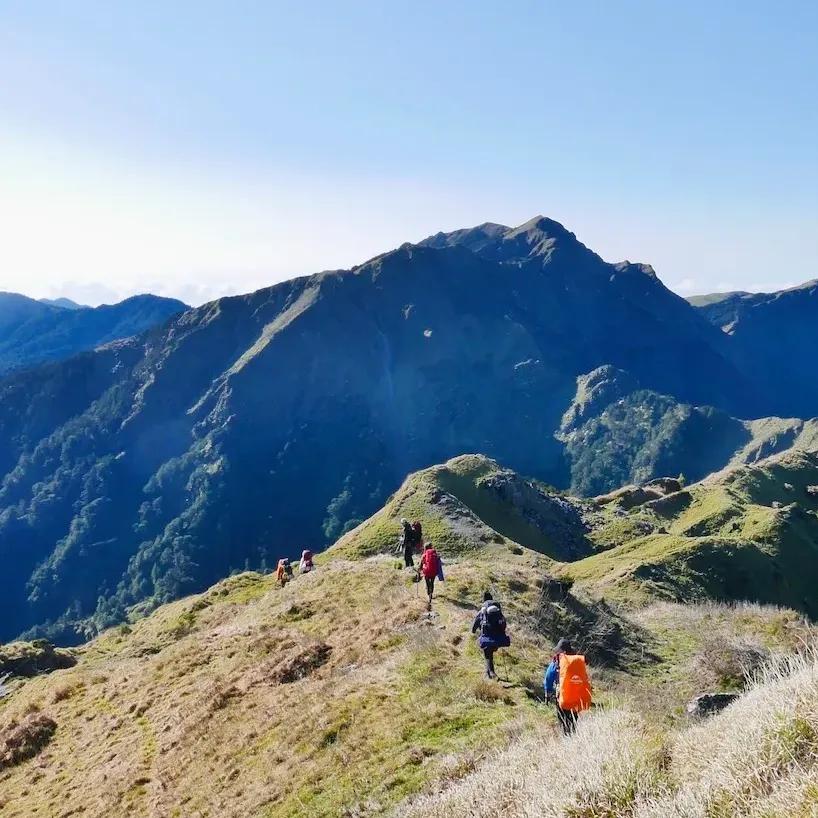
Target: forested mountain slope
[260,424]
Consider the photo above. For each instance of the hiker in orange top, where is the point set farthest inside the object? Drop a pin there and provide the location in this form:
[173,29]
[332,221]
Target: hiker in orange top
[566,685]
[284,571]
[431,568]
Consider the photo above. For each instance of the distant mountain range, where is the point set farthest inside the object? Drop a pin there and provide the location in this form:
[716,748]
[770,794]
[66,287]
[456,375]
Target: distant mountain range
[34,332]
[65,303]
[256,425]
[774,336]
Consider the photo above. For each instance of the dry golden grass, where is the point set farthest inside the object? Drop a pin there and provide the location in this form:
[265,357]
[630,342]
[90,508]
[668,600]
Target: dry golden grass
[757,759]
[598,772]
[491,691]
[337,693]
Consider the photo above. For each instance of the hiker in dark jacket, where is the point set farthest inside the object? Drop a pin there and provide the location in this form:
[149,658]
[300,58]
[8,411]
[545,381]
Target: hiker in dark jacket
[407,542]
[492,626]
[551,681]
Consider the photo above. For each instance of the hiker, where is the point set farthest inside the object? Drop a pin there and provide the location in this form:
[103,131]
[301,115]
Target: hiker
[566,685]
[283,571]
[305,566]
[492,626]
[431,567]
[407,541]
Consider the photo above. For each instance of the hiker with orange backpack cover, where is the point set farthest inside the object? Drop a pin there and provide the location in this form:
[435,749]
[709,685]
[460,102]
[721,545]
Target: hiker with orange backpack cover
[431,568]
[566,685]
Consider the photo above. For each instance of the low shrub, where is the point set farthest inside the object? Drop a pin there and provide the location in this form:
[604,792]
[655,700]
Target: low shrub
[490,691]
[19,742]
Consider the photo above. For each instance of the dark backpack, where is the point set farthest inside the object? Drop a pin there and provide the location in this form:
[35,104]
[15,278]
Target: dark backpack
[494,623]
[417,534]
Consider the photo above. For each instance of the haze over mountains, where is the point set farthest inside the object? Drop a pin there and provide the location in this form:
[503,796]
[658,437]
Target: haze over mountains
[34,332]
[258,425]
[65,303]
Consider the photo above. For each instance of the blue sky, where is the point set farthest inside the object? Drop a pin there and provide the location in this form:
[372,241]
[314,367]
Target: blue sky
[201,148]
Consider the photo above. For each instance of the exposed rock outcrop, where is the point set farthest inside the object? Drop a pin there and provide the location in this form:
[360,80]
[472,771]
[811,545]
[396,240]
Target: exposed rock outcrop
[33,658]
[708,704]
[558,518]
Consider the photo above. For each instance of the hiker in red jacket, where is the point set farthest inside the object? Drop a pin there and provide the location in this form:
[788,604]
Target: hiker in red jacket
[431,568]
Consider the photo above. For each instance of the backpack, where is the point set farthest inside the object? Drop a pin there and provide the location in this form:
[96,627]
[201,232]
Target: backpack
[417,533]
[281,571]
[574,688]
[494,623]
[431,563]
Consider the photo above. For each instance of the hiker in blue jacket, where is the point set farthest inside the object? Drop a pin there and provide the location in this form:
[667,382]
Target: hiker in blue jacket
[492,626]
[551,681]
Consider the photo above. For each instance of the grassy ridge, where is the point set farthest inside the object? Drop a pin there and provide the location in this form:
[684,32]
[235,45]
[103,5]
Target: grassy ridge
[340,695]
[257,697]
[751,533]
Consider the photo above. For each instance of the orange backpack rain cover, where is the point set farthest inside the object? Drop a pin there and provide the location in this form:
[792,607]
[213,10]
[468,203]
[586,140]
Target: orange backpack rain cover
[575,689]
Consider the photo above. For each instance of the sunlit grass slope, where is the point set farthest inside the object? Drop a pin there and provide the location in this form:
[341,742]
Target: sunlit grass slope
[758,759]
[340,695]
[748,533]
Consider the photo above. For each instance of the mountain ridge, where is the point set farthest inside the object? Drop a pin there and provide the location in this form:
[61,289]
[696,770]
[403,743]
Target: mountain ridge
[38,332]
[260,424]
[65,303]
[774,335]
[208,704]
